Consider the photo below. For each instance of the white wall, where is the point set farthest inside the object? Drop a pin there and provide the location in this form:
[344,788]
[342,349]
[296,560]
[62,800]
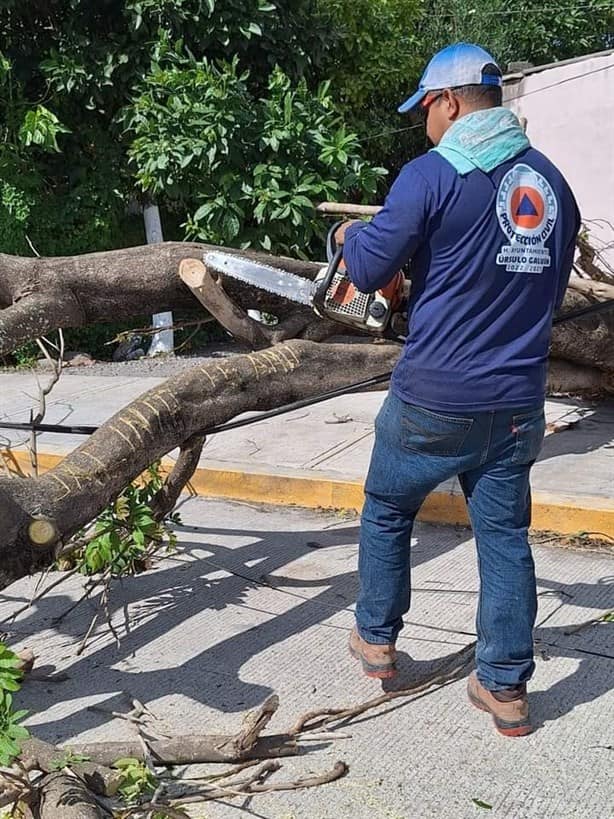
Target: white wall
[569,109]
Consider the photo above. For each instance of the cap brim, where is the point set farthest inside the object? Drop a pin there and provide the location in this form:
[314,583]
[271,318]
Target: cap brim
[412,102]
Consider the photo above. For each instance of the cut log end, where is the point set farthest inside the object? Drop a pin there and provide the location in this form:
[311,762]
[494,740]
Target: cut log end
[192,272]
[43,533]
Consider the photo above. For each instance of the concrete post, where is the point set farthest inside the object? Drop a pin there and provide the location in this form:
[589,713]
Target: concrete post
[164,341]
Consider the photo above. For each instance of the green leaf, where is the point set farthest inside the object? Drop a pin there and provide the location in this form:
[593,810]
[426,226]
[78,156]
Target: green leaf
[126,762]
[18,732]
[480,804]
[41,127]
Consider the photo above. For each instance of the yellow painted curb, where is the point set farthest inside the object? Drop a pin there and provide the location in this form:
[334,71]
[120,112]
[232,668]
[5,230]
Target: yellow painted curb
[558,513]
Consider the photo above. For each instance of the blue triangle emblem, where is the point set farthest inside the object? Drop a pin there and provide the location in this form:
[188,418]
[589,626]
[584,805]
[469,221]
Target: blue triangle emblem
[526,207]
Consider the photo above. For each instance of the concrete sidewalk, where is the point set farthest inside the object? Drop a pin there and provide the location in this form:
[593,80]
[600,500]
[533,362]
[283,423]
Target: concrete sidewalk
[318,456]
[259,600]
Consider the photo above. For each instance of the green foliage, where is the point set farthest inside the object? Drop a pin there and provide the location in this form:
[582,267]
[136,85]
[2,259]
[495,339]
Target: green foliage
[10,670]
[11,732]
[254,166]
[26,356]
[69,75]
[528,30]
[41,127]
[137,781]
[126,529]
[222,111]
[383,46]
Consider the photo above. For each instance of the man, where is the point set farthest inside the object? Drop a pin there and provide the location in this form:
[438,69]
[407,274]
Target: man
[489,224]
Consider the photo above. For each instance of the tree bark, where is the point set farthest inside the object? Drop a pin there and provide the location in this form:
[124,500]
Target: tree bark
[189,750]
[168,416]
[67,797]
[164,501]
[588,341]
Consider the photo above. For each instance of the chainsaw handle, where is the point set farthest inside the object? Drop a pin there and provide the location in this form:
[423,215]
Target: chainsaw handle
[331,244]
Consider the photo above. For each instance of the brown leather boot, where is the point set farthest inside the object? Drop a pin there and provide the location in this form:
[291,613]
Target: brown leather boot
[378,660]
[511,716]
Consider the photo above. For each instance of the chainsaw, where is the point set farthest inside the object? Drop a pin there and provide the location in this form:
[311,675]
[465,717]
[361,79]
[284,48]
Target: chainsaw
[331,295]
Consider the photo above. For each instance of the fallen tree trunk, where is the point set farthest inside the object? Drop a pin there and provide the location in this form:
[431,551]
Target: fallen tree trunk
[38,295]
[588,341]
[63,500]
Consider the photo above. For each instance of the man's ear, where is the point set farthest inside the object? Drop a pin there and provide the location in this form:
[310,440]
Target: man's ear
[452,104]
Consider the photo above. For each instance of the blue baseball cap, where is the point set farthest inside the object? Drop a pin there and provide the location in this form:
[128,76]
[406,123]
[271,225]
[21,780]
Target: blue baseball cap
[452,67]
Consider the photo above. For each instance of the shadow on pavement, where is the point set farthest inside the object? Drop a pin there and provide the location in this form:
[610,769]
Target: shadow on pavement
[170,597]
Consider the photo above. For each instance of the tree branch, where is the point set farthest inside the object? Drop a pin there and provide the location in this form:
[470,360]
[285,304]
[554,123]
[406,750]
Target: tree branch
[210,293]
[189,455]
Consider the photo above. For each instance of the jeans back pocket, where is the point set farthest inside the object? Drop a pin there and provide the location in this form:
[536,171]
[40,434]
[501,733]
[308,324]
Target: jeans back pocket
[529,429]
[432,433]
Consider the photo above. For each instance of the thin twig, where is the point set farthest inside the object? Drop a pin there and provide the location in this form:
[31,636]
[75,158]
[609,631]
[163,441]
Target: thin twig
[84,596]
[339,770]
[223,774]
[87,635]
[43,392]
[147,331]
[241,787]
[40,580]
[581,626]
[185,343]
[105,605]
[313,720]
[44,592]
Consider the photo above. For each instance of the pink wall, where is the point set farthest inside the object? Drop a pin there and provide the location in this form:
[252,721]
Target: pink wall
[569,109]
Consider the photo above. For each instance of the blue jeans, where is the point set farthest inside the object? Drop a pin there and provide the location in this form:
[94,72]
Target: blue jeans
[492,453]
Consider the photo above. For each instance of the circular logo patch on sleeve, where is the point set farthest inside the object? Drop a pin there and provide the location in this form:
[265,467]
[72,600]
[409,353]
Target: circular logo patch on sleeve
[527,210]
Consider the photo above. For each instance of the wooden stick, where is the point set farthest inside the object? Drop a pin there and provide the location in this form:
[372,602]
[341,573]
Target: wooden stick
[211,295]
[346,208]
[45,591]
[253,725]
[188,750]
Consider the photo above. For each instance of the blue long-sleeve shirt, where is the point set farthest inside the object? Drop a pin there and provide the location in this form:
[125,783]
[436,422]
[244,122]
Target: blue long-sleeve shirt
[491,255]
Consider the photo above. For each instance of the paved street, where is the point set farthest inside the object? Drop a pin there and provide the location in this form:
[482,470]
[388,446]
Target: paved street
[259,599]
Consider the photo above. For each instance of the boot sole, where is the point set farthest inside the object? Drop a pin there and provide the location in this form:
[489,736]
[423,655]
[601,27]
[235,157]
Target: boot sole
[506,729]
[375,672]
